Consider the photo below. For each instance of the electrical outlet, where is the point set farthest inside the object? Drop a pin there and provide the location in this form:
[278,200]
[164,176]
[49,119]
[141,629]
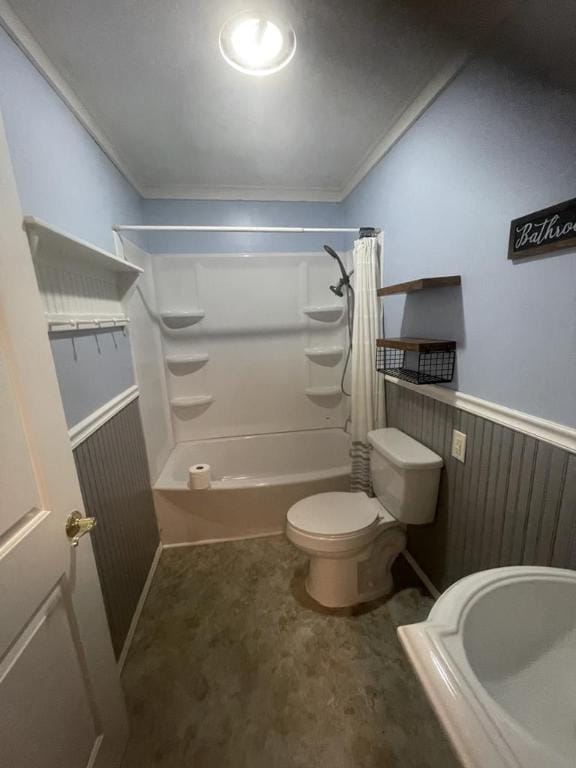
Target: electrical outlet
[459,445]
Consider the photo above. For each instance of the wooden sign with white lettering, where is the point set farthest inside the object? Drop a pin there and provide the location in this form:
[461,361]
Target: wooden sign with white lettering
[548,230]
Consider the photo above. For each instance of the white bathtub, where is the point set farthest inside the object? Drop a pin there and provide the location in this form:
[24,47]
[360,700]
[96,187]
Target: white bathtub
[255,480]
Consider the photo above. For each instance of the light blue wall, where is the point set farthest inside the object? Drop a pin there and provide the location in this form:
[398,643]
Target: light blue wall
[61,173]
[244,214]
[494,146]
[64,178]
[92,368]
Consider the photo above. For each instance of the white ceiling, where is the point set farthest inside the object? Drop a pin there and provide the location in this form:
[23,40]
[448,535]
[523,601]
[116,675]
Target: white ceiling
[147,78]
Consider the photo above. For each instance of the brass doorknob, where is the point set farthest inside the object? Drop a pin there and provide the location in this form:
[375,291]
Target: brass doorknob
[77,526]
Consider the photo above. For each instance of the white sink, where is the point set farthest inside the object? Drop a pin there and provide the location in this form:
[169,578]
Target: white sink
[497,659]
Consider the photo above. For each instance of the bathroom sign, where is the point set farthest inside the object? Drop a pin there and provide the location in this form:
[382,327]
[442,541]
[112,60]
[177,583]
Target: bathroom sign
[548,230]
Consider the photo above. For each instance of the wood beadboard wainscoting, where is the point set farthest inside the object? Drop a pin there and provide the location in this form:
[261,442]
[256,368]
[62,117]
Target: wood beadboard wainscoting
[513,502]
[115,483]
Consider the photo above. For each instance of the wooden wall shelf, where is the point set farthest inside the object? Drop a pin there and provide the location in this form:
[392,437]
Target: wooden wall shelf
[420,285]
[417,345]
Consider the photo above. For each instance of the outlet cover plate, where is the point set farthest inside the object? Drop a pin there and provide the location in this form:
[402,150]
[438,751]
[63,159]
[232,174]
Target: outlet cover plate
[459,445]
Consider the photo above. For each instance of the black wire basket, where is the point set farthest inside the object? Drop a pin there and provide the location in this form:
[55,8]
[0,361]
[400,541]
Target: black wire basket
[419,361]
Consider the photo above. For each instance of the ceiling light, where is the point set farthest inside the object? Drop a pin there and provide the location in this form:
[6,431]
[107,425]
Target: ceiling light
[255,45]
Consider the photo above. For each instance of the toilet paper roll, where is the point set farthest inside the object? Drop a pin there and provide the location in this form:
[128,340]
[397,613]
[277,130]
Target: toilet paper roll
[199,477]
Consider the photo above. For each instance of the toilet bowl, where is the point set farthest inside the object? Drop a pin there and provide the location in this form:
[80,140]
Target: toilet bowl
[352,540]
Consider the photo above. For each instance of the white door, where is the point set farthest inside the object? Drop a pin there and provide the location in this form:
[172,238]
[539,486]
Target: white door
[61,704]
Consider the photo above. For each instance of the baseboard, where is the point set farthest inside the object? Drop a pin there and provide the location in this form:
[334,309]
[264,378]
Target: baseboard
[222,541]
[421,575]
[139,607]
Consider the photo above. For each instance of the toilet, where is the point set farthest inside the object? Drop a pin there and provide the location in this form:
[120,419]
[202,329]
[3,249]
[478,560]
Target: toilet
[351,539]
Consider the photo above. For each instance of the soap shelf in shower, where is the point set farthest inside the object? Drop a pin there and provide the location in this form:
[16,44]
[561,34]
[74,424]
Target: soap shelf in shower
[419,361]
[325,314]
[324,355]
[179,362]
[178,320]
[323,391]
[191,402]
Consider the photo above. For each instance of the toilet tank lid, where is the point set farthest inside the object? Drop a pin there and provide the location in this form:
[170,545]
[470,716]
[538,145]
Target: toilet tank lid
[402,450]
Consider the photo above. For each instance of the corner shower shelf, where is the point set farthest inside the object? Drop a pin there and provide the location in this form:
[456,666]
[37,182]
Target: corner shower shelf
[420,285]
[323,391]
[83,287]
[191,402]
[430,361]
[325,314]
[187,361]
[324,355]
[178,320]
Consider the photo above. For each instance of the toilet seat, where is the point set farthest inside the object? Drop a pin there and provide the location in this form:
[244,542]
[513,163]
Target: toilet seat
[337,514]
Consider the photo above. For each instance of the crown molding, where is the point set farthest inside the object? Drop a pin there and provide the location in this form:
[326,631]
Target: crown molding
[405,121]
[23,38]
[21,35]
[428,95]
[325,195]
[255,194]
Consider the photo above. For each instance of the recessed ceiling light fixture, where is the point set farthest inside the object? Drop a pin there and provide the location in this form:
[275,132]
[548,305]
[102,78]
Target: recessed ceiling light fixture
[255,45]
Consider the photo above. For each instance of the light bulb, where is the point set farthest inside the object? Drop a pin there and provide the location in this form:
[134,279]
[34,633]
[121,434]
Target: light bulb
[256,42]
[256,45]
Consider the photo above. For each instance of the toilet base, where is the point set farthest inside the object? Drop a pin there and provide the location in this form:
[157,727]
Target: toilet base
[341,582]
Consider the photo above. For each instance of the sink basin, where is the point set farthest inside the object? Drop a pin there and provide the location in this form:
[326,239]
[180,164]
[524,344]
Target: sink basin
[497,659]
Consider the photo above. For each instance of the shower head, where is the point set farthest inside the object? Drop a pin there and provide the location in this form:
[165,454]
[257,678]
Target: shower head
[331,252]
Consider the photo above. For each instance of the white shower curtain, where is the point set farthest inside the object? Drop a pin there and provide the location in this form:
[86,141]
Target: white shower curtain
[367,405]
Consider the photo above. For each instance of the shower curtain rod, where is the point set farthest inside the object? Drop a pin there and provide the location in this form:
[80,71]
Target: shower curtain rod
[214,228]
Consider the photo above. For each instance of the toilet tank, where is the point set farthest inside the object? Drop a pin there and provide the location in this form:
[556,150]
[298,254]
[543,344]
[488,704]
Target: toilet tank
[405,475]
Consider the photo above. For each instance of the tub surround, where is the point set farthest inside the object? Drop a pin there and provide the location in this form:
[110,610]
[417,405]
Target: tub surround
[254,316]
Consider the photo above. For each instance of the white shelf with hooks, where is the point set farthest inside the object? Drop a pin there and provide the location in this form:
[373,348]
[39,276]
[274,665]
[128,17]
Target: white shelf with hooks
[82,286]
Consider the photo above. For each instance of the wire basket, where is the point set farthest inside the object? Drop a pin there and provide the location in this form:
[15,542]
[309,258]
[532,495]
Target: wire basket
[425,367]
